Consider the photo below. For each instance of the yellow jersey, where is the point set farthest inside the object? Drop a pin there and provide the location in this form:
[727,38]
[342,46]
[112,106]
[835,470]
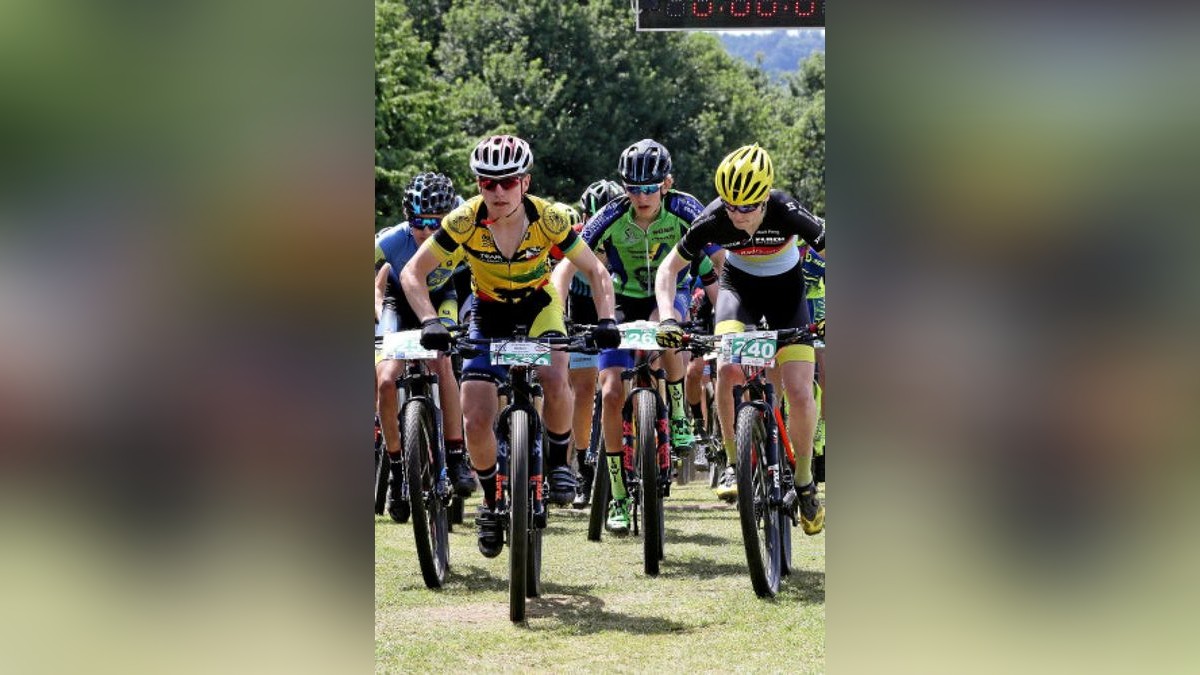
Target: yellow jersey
[494,277]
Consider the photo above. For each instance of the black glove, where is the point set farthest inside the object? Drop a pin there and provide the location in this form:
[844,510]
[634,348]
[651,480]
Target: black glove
[819,329]
[669,335]
[434,335]
[606,334]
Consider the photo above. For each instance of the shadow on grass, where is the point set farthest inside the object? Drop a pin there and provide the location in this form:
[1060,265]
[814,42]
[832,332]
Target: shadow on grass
[674,536]
[700,568]
[805,586]
[467,579]
[586,614]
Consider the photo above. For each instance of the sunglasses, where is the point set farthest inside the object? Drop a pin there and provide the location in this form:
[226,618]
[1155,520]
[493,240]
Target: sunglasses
[748,208]
[423,223]
[643,189]
[492,183]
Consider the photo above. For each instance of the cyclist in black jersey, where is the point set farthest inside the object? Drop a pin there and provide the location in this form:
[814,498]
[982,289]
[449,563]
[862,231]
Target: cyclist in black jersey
[763,279]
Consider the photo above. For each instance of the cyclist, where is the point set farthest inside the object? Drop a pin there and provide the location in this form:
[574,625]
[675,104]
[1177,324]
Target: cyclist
[758,227]
[427,199]
[814,283]
[636,231]
[506,235]
[578,302]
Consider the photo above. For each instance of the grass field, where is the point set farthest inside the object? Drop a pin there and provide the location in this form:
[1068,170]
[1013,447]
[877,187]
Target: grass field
[598,611]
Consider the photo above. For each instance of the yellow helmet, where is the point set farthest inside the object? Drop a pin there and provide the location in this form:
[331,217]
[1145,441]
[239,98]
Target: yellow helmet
[745,176]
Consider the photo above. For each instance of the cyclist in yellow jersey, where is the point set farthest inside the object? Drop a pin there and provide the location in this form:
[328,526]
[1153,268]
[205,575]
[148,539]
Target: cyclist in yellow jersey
[507,235]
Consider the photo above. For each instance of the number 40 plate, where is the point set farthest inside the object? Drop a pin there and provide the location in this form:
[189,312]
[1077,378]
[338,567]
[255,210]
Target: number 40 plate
[755,348]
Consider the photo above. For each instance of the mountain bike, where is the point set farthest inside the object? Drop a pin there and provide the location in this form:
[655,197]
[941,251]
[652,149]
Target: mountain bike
[647,457]
[767,499]
[519,434]
[425,483]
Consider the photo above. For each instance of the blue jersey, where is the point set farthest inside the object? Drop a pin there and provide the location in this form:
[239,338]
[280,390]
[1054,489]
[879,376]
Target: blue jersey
[396,245]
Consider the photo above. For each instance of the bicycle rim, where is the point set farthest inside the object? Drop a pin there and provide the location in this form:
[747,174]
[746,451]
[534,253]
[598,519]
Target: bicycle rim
[428,511]
[518,513]
[645,431]
[382,473]
[760,528]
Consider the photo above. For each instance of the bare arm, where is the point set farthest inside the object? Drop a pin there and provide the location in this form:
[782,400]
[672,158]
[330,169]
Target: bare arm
[602,289]
[664,282]
[412,278]
[718,260]
[561,278]
[381,278]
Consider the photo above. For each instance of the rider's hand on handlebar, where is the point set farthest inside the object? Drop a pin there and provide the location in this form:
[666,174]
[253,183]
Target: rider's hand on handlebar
[606,334]
[819,329]
[434,335]
[670,334]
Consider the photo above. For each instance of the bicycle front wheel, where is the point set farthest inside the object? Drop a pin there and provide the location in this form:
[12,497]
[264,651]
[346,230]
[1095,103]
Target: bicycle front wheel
[429,518]
[760,524]
[645,431]
[519,508]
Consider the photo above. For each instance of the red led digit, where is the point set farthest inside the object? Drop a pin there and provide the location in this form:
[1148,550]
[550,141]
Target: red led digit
[766,8]
[734,11]
[674,7]
[701,9]
[806,8]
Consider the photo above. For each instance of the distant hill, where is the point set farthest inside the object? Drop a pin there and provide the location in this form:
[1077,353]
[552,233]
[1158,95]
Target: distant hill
[782,51]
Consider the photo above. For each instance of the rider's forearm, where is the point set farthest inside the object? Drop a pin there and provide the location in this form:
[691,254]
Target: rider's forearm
[602,292]
[417,294]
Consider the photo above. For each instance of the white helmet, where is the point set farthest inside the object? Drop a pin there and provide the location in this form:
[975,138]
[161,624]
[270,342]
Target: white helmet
[501,156]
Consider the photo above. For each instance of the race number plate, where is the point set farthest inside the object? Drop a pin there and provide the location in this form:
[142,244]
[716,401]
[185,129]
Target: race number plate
[520,354]
[639,335]
[405,345]
[755,348]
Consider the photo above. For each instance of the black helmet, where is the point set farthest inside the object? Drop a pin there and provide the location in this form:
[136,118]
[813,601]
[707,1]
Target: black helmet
[597,195]
[429,193]
[644,163]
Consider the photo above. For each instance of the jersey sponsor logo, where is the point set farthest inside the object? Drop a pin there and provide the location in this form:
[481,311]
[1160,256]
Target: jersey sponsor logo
[489,257]
[758,250]
[528,253]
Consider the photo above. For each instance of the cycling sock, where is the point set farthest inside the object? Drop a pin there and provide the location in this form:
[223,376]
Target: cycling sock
[804,474]
[580,457]
[697,412]
[616,475]
[557,455]
[487,481]
[455,451]
[730,452]
[675,394]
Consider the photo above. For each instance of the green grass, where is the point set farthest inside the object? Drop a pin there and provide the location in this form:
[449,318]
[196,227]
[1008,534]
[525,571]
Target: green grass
[598,611]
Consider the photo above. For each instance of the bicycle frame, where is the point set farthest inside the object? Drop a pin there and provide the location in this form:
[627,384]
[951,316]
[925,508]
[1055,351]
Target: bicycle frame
[521,392]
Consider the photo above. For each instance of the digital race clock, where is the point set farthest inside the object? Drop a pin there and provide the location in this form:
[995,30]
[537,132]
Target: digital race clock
[728,14]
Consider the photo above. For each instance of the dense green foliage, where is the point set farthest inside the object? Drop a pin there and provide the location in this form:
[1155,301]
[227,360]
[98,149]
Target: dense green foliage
[580,84]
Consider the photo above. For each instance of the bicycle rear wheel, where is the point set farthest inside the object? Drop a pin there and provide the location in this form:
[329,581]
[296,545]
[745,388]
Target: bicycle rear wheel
[382,473]
[646,432]
[716,459]
[760,524]
[429,516]
[601,489]
[519,508]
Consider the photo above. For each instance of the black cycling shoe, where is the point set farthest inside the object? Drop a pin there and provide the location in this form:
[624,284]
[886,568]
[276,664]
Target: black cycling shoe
[460,474]
[583,493]
[562,485]
[491,531]
[397,502]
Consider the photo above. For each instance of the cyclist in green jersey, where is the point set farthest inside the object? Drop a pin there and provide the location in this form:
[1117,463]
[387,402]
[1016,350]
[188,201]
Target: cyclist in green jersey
[636,232]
